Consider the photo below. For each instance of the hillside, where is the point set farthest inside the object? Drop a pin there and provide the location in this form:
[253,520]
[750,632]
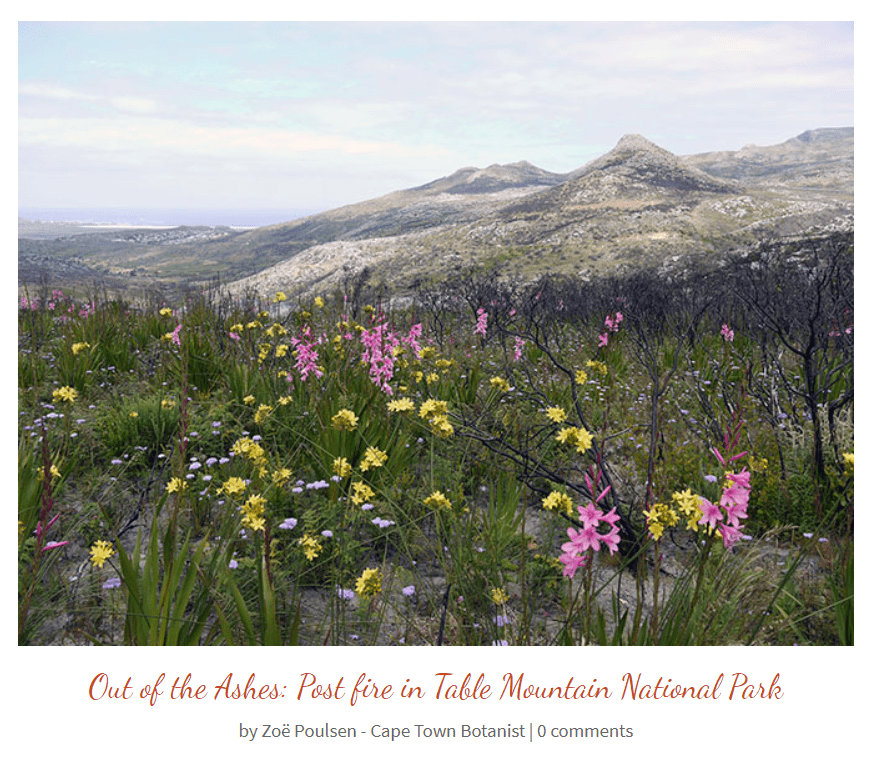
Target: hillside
[638,206]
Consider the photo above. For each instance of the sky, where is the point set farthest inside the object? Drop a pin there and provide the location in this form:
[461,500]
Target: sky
[311,116]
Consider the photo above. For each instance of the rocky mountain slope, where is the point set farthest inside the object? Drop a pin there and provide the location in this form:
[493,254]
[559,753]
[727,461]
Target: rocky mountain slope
[638,206]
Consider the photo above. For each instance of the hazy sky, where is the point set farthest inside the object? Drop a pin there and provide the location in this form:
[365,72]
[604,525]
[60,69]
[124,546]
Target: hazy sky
[316,115]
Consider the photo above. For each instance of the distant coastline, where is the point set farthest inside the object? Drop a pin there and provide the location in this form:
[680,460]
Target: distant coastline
[128,217]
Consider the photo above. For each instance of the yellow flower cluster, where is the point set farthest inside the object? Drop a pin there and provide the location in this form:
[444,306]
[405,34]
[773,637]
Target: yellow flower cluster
[499,597]
[312,546]
[167,403]
[65,393]
[253,512]
[435,412]
[373,458]
[361,493]
[758,464]
[319,302]
[279,297]
[689,507]
[53,472]
[581,377]
[849,462]
[560,502]
[342,467]
[345,420]
[281,476]
[598,366]
[401,405]
[77,348]
[556,414]
[166,312]
[579,437]
[659,517]
[101,552]
[262,413]
[437,500]
[369,583]
[233,486]
[500,383]
[176,486]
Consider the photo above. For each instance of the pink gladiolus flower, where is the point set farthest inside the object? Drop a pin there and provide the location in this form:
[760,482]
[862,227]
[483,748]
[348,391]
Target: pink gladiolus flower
[53,545]
[582,540]
[589,515]
[730,535]
[727,333]
[481,322]
[712,513]
[602,340]
[175,336]
[611,540]
[571,564]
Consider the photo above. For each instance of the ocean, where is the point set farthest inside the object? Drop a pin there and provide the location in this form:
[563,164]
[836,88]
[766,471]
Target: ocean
[164,217]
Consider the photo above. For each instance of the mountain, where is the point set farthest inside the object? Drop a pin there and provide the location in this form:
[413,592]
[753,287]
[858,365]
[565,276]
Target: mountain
[637,206]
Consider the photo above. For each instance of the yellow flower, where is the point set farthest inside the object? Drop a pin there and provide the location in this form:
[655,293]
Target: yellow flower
[560,502]
[443,363]
[342,467]
[431,408]
[281,475]
[312,546]
[361,493]
[101,552]
[236,328]
[249,400]
[167,403]
[248,449]
[438,500]
[53,472]
[579,437]
[281,350]
[176,485]
[134,415]
[500,383]
[369,583]
[401,405]
[499,597]
[284,400]
[373,457]
[849,461]
[441,426]
[319,303]
[427,352]
[556,414]
[234,485]
[345,420]
[166,312]
[79,347]
[598,366]
[581,377]
[279,297]
[263,413]
[65,393]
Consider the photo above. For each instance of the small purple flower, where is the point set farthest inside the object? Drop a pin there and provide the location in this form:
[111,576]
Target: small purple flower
[710,478]
[367,506]
[112,583]
[808,534]
[233,564]
[501,621]
[500,642]
[383,523]
[327,533]
[409,591]
[288,523]
[296,489]
[345,594]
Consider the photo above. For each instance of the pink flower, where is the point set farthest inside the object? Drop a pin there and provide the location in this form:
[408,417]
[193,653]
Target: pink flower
[602,340]
[589,515]
[582,540]
[727,333]
[611,540]
[481,322]
[712,513]
[730,535]
[571,563]
[175,336]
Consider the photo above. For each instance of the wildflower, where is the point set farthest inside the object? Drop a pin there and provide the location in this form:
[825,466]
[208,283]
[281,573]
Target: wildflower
[249,449]
[249,400]
[288,523]
[234,485]
[101,552]
[481,322]
[382,522]
[571,563]
[345,594]
[262,413]
[558,501]
[342,467]
[556,414]
[401,405]
[279,297]
[580,376]
[319,302]
[53,472]
[345,420]
[438,500]
[409,591]
[598,366]
[849,461]
[327,533]
[500,383]
[373,458]
[311,546]
[441,426]
[281,351]
[579,437]
[727,333]
[112,583]
[432,408]
[77,348]
[134,415]
[281,476]
[361,492]
[710,513]
[165,312]
[167,403]
[369,583]
[65,393]
[499,597]
[233,564]
[517,351]
[175,485]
